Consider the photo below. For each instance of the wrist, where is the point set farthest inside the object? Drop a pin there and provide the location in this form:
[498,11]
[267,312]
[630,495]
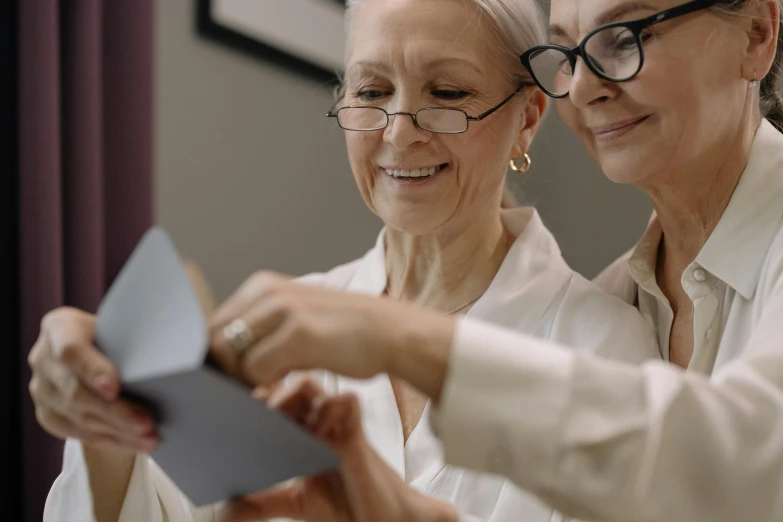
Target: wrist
[101,455]
[420,355]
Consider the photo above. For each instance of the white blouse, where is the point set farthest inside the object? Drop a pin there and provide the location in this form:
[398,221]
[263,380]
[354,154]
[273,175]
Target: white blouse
[605,441]
[534,292]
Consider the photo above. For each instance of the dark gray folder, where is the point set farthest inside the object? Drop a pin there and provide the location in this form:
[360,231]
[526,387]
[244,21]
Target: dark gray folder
[217,442]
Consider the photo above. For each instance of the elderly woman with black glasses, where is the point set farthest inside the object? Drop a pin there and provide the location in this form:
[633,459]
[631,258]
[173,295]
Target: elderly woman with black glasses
[435,108]
[682,100]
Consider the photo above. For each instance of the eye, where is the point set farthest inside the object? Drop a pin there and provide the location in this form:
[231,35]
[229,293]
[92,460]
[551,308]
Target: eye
[626,43]
[368,95]
[450,94]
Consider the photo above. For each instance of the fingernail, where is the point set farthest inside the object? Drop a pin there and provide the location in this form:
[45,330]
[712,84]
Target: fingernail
[105,385]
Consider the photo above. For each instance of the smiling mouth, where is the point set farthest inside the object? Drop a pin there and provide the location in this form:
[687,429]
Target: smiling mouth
[415,173]
[617,128]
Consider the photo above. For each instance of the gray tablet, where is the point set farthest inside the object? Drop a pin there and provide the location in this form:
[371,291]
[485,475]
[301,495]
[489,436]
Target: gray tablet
[217,442]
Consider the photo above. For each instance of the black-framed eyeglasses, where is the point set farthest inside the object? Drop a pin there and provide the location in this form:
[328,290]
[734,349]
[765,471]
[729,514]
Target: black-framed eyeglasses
[441,120]
[613,52]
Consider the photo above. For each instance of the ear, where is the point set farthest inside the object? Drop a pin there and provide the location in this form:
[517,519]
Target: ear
[533,114]
[762,33]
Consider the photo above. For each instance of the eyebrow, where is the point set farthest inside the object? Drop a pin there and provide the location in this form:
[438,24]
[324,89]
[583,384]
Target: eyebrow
[606,17]
[380,66]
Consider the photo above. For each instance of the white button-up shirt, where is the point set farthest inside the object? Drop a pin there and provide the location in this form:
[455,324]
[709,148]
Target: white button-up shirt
[614,442]
[534,291]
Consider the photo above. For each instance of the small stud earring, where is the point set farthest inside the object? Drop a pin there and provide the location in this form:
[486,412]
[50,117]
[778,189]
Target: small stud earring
[755,83]
[520,168]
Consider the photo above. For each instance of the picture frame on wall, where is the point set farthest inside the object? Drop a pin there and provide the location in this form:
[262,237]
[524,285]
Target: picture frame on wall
[306,37]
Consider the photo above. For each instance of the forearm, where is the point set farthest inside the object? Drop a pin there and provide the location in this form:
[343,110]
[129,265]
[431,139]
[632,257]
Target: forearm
[601,440]
[109,473]
[420,352]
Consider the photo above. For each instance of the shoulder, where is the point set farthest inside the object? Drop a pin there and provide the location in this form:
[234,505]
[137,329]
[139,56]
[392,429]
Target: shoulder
[592,319]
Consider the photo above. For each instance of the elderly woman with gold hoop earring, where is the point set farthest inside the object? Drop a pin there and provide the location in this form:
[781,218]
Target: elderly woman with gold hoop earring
[434,105]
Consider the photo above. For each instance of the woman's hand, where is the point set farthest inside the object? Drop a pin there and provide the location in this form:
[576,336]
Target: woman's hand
[293,326]
[74,388]
[365,488]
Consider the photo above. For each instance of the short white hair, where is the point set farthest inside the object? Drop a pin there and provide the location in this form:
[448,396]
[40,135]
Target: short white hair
[515,25]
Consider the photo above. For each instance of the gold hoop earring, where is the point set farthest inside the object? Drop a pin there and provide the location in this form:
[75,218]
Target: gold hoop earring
[525,164]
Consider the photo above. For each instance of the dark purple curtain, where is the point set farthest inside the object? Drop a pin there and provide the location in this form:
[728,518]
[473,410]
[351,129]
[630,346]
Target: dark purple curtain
[85,173]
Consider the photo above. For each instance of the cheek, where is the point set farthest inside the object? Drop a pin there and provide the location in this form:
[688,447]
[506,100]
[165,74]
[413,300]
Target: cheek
[362,149]
[482,159]
[570,116]
[681,74]
[568,113]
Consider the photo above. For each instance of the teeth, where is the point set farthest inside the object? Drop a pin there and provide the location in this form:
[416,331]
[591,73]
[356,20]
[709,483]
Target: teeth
[413,173]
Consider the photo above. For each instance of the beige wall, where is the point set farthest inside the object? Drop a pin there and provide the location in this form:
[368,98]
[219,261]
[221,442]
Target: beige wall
[251,175]
[593,219]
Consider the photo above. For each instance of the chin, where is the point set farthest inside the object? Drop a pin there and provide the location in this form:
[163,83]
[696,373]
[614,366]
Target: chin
[411,227]
[627,167]
[411,222]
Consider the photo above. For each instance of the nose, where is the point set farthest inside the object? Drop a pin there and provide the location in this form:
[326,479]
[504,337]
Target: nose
[402,132]
[587,88]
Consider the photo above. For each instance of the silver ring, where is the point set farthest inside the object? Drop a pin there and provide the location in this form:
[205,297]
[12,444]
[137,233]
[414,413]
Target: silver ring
[239,335]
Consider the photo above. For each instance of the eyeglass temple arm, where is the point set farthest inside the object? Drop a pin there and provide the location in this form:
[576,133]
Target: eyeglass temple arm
[496,107]
[676,11]
[331,112]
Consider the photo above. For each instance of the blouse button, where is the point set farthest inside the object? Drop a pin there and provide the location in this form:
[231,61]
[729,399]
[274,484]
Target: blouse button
[699,275]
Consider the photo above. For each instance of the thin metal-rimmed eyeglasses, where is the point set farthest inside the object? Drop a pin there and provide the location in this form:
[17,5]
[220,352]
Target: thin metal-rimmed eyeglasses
[613,52]
[441,120]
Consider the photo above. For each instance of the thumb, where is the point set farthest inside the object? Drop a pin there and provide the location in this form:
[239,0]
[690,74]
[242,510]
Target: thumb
[279,502]
[70,334]
[92,369]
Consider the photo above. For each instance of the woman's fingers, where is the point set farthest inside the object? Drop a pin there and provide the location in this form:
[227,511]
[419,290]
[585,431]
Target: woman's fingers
[104,435]
[297,401]
[264,393]
[63,392]
[261,316]
[63,428]
[339,420]
[67,336]
[75,388]
[335,420]
[120,415]
[274,356]
[59,426]
[88,419]
[251,291]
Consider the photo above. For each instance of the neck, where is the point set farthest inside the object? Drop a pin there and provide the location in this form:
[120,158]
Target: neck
[690,200]
[450,267]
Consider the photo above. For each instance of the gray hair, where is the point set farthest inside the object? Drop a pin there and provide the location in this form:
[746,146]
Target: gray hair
[515,26]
